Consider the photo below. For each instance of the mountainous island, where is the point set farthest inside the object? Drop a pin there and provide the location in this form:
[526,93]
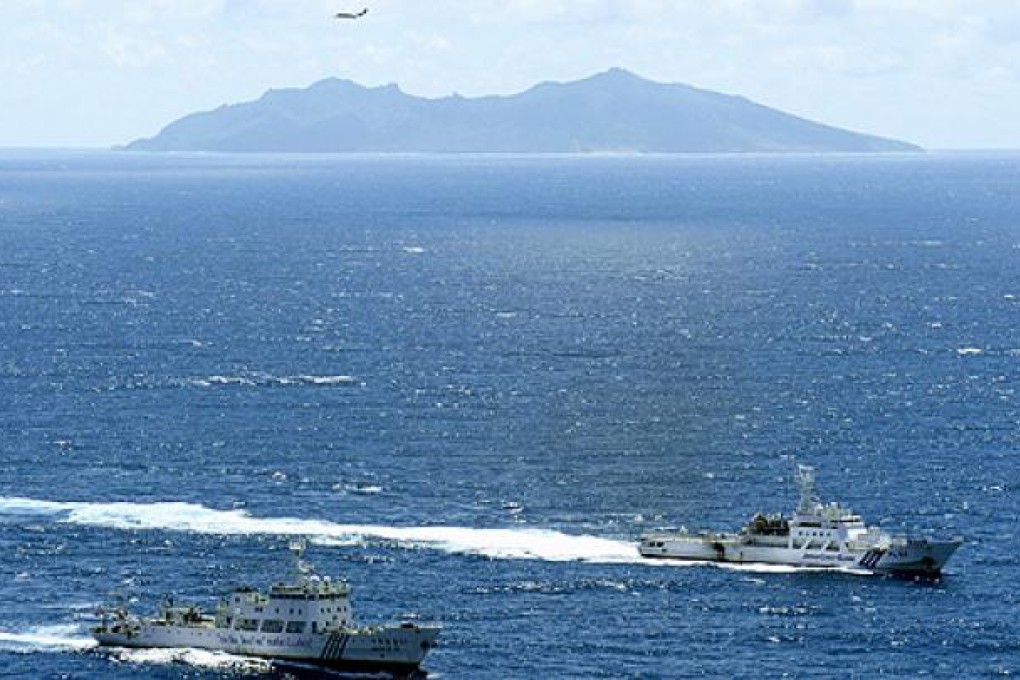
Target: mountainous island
[611,112]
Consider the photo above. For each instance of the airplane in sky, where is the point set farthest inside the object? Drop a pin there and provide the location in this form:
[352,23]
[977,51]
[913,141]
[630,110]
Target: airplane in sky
[352,15]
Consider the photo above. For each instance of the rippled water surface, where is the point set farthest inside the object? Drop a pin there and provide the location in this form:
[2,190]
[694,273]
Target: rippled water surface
[473,382]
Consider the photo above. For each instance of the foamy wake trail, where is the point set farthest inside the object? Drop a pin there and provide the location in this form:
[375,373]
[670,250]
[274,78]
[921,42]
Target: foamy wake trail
[46,638]
[69,638]
[538,544]
[193,657]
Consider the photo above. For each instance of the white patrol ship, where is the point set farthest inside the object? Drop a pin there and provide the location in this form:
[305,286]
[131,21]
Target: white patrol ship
[818,535]
[309,621]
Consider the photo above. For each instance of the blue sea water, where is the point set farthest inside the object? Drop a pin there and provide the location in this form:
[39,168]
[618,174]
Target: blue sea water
[473,382]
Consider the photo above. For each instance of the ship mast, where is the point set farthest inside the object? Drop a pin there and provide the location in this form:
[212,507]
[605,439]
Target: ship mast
[301,568]
[808,500]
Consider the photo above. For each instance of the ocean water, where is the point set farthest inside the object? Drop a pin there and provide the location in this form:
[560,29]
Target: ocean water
[473,382]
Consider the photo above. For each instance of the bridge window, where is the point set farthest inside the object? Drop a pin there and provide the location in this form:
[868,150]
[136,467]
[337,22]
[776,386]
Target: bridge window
[272,626]
[247,624]
[295,626]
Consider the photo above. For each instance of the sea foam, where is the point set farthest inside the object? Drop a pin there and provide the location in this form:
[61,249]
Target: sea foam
[46,638]
[512,543]
[201,658]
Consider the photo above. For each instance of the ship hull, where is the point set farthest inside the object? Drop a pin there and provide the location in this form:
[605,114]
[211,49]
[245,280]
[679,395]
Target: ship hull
[914,557]
[391,649]
[918,556]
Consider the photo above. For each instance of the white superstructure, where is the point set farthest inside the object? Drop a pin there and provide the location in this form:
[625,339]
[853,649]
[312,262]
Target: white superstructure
[817,535]
[307,621]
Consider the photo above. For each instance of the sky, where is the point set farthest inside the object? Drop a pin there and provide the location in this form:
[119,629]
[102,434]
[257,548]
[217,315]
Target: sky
[944,74]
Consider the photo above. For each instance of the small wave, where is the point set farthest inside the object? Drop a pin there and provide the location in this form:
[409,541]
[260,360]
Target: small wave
[220,380]
[264,380]
[328,379]
[364,489]
[359,489]
[558,588]
[775,610]
[46,638]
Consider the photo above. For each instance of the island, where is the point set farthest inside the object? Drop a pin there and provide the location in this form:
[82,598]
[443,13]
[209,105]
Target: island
[611,112]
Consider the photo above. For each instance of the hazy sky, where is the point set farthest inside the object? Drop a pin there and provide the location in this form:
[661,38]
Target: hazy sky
[941,73]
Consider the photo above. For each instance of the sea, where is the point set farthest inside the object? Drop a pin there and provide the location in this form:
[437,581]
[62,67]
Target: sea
[472,382]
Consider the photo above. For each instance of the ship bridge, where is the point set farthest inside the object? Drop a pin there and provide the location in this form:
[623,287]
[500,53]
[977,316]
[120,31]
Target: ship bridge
[310,604]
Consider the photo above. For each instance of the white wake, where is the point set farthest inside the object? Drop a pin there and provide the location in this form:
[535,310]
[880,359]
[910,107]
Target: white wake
[202,658]
[69,638]
[516,543]
[46,638]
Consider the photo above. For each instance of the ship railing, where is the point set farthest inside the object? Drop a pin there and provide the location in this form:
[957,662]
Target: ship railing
[310,586]
[904,540]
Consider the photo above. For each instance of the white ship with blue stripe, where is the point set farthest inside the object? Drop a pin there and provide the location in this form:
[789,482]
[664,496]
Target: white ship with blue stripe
[309,621]
[818,535]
